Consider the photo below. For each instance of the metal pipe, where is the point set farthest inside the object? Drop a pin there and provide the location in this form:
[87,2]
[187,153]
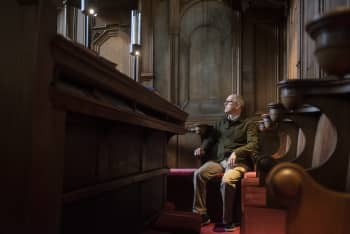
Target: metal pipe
[64,18]
[135,28]
[87,32]
[135,42]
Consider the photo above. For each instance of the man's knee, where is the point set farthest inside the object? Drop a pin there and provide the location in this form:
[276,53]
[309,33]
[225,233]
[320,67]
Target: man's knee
[196,173]
[232,177]
[227,183]
[200,173]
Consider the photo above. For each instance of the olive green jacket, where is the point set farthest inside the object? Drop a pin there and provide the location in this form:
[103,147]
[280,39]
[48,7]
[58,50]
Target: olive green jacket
[239,136]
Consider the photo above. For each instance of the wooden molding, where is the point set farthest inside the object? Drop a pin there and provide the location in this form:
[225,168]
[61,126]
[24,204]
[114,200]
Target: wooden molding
[28,2]
[82,66]
[147,76]
[112,185]
[63,99]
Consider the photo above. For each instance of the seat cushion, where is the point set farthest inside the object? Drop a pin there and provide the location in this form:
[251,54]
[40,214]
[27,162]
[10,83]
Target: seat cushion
[181,171]
[258,220]
[250,174]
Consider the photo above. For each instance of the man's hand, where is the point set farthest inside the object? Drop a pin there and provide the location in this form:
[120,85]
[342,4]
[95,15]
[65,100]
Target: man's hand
[198,152]
[231,160]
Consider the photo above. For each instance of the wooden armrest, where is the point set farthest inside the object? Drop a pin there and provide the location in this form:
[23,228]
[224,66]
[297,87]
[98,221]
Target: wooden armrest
[311,208]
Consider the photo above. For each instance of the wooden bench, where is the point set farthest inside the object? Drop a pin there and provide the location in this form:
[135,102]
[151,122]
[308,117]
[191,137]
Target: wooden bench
[310,207]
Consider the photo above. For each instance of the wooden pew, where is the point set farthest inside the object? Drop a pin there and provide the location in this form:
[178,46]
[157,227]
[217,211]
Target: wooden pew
[258,217]
[306,118]
[311,208]
[332,98]
[315,93]
[114,169]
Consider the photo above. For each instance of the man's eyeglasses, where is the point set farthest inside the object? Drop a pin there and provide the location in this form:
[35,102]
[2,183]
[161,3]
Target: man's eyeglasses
[227,102]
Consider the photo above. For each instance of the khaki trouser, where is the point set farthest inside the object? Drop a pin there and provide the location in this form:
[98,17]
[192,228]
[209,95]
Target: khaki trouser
[228,187]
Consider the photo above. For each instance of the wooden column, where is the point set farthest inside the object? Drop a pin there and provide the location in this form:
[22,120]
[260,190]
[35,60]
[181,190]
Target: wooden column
[31,131]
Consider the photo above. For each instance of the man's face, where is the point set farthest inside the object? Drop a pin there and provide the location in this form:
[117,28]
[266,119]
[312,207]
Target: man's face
[230,105]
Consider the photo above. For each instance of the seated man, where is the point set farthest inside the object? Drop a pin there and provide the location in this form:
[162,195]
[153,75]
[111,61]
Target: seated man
[237,142]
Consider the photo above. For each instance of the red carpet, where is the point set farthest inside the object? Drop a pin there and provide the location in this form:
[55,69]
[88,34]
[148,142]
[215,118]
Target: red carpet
[212,229]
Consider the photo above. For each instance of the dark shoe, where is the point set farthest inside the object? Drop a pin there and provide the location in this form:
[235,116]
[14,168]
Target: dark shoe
[205,219]
[230,227]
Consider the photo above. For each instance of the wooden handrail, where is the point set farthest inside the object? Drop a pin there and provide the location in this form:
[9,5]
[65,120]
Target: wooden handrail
[78,65]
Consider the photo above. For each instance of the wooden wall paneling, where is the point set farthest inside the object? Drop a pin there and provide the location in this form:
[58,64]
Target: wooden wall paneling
[208,71]
[303,11]
[81,152]
[147,37]
[152,200]
[293,59]
[162,48]
[153,150]
[124,145]
[266,52]
[205,35]
[248,69]
[263,50]
[311,68]
[301,36]
[237,51]
[110,185]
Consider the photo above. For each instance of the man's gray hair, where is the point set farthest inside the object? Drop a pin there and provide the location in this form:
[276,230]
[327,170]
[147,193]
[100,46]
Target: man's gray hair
[239,99]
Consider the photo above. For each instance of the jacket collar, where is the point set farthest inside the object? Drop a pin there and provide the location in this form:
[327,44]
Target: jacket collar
[229,122]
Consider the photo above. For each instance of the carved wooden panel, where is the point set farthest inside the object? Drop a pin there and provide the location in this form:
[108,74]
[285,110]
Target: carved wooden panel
[208,68]
[310,68]
[293,42]
[162,68]
[266,65]
[204,67]
[300,13]
[123,145]
[82,143]
[154,150]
